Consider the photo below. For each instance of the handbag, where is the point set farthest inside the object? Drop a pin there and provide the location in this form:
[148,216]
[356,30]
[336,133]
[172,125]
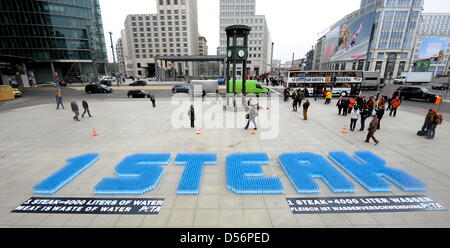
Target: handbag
[247,116]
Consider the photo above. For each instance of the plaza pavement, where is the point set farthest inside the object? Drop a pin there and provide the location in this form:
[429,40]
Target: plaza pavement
[36,141]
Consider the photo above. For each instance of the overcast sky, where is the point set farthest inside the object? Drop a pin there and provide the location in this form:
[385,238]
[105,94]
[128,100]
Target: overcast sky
[294,24]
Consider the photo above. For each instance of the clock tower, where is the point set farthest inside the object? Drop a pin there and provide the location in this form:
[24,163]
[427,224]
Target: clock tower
[237,53]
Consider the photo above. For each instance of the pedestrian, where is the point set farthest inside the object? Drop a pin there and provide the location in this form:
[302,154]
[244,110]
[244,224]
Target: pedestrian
[329,97]
[153,100]
[351,104]
[191,114]
[354,117]
[316,93]
[370,105]
[294,101]
[305,109]
[345,104]
[340,105]
[287,94]
[364,116]
[75,109]
[324,93]
[372,130]
[59,100]
[436,120]
[300,96]
[86,108]
[360,102]
[428,122]
[380,113]
[251,117]
[394,106]
[204,95]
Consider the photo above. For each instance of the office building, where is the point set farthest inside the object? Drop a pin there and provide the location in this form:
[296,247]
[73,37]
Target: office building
[233,12]
[378,37]
[120,56]
[173,31]
[56,40]
[432,47]
[202,46]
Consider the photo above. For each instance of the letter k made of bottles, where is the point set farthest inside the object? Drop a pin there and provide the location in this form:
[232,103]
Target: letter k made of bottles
[141,173]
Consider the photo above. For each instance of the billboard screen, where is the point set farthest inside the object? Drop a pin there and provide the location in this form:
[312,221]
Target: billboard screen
[349,41]
[433,49]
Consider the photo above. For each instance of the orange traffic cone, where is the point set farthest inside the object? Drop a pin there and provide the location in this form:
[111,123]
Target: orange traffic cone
[94,133]
[199,132]
[344,130]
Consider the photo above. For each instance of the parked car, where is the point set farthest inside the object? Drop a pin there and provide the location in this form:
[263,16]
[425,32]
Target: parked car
[417,93]
[181,88]
[17,92]
[139,83]
[97,88]
[441,86]
[138,94]
[106,82]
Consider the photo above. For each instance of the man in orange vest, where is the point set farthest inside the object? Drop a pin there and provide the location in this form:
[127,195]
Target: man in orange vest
[394,106]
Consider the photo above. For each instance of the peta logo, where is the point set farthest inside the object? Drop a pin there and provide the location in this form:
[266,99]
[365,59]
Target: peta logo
[140,173]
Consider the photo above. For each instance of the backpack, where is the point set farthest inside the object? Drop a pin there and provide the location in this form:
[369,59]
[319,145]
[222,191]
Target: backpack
[439,119]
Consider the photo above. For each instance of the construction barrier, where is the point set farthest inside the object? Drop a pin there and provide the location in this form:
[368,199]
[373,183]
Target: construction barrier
[6,93]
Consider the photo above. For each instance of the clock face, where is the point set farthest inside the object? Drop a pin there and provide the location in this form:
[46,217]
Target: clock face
[241,53]
[230,53]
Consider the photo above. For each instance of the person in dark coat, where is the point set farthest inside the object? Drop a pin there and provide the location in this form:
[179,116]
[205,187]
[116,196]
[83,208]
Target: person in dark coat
[75,109]
[345,104]
[191,114]
[86,108]
[204,95]
[294,101]
[364,116]
[340,105]
[380,114]
[153,100]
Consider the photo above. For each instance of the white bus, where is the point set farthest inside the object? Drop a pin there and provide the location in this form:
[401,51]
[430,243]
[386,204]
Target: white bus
[342,83]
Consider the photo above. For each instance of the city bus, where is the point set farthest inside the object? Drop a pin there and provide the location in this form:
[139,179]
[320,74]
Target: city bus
[341,83]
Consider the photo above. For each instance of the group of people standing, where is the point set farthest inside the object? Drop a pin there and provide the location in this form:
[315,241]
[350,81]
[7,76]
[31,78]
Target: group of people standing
[360,109]
[73,106]
[432,120]
[297,101]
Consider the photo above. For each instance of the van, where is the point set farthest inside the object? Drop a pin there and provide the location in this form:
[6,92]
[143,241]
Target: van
[253,87]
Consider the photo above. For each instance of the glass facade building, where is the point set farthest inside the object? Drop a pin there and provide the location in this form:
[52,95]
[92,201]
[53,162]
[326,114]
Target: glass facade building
[55,31]
[433,42]
[392,42]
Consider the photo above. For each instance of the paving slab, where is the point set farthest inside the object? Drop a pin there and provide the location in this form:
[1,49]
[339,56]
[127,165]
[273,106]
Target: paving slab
[49,137]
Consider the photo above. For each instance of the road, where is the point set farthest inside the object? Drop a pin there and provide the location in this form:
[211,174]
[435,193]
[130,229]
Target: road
[46,95]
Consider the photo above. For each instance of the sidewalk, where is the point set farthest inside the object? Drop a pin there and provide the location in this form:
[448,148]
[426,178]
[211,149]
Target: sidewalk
[37,140]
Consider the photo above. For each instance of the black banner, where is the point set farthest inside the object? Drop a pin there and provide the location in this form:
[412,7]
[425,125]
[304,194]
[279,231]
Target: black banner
[367,204]
[90,206]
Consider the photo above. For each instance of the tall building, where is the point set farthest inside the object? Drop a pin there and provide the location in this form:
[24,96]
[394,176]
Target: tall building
[234,12]
[173,31]
[202,46]
[432,43]
[54,38]
[378,37]
[120,56]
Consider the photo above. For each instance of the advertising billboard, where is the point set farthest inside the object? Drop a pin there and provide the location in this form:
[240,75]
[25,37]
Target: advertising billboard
[433,49]
[349,41]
